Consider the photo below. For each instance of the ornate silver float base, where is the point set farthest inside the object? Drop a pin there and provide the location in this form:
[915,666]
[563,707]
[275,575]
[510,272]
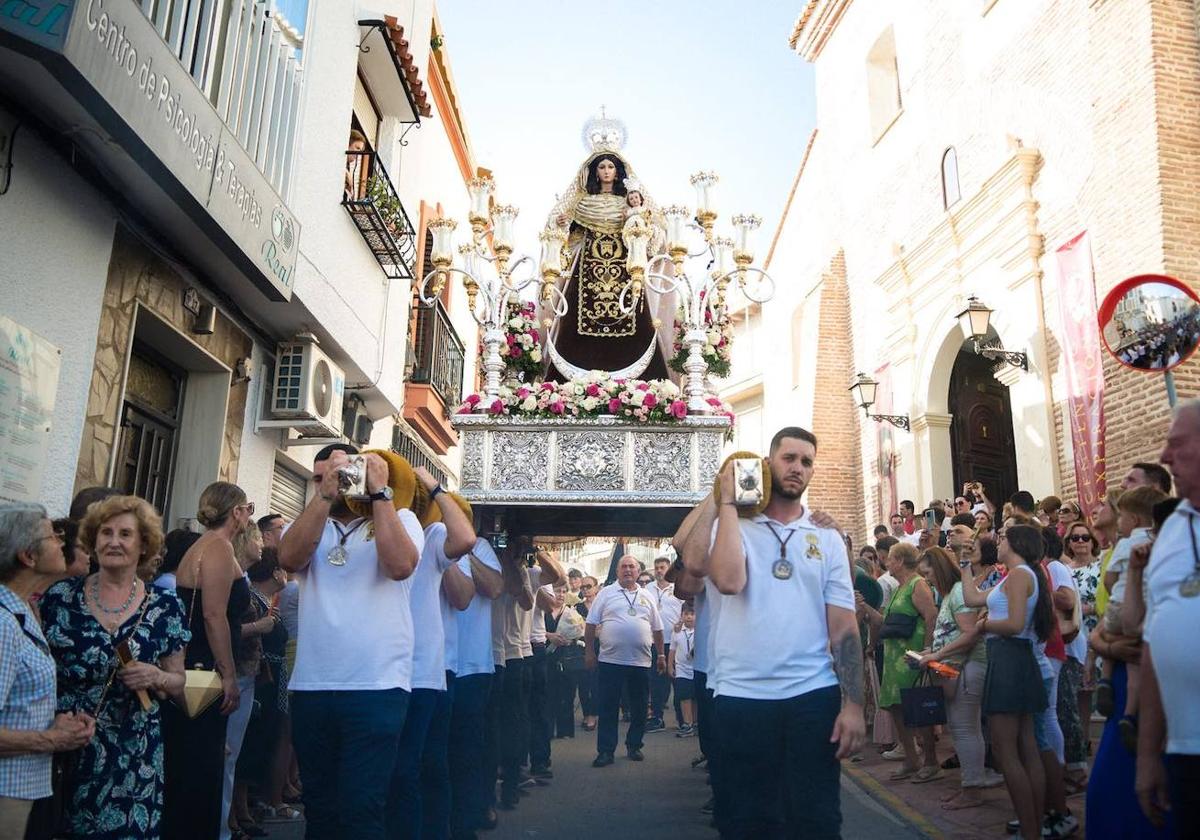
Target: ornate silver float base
[596,461]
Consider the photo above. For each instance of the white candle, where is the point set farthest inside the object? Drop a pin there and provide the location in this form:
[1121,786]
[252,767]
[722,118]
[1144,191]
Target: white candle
[676,218]
[502,225]
[704,183]
[479,190]
[443,239]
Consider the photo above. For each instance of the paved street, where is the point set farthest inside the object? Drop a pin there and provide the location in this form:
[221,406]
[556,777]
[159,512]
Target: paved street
[662,798]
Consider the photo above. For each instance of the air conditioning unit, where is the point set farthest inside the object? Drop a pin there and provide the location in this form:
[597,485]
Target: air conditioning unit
[308,390]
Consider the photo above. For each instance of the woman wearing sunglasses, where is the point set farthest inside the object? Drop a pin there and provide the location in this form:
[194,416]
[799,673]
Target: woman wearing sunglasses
[1081,554]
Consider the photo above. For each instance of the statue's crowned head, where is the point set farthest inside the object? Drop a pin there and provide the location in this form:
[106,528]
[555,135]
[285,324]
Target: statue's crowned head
[604,134]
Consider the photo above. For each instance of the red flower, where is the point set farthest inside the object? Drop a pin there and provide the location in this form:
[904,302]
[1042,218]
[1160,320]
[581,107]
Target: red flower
[679,409]
[614,406]
[497,407]
[592,390]
[650,401]
[465,409]
[556,407]
[522,392]
[547,386]
[473,400]
[643,386]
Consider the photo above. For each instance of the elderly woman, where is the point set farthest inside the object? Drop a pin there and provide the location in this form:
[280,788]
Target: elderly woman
[30,556]
[908,624]
[117,791]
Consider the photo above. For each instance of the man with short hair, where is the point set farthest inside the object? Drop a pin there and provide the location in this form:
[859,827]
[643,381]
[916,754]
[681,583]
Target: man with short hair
[897,529]
[669,611]
[350,687]
[791,709]
[271,527]
[1022,501]
[908,516]
[543,576]
[630,627]
[880,531]
[961,505]
[574,578]
[1146,474]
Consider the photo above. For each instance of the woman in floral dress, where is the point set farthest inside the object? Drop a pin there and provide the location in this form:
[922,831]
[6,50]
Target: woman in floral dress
[1081,553]
[117,787]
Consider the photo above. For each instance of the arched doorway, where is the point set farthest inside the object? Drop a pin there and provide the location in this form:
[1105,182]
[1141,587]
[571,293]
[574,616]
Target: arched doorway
[981,433]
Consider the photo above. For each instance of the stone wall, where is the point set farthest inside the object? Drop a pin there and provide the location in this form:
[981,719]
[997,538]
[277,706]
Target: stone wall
[136,275]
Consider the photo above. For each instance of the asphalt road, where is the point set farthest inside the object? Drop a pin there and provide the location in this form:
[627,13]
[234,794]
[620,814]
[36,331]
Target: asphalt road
[658,798]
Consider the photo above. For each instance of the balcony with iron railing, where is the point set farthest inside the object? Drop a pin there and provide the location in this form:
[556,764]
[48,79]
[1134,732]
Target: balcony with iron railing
[371,200]
[434,388]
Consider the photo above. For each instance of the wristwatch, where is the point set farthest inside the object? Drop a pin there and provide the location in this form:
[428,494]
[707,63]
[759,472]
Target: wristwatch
[433,494]
[384,495]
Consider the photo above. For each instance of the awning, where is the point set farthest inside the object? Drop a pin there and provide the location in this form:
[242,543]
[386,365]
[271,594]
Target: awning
[391,72]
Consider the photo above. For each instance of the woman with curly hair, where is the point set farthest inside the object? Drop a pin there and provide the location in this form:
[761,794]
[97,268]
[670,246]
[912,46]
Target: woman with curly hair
[117,786]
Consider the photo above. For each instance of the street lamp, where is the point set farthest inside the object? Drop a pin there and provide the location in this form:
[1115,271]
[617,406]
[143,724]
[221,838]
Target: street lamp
[863,390]
[974,323]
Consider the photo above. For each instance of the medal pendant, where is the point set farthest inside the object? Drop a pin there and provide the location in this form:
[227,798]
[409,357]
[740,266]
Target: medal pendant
[632,611]
[1190,587]
[338,556]
[782,569]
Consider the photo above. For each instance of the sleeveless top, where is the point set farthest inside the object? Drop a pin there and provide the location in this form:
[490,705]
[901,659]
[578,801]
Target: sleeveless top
[997,606]
[199,650]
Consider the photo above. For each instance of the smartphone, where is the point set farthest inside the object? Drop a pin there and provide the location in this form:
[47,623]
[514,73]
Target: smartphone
[930,519]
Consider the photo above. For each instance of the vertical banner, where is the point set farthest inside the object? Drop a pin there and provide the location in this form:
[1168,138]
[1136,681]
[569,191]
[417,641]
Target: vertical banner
[885,448]
[28,382]
[1082,356]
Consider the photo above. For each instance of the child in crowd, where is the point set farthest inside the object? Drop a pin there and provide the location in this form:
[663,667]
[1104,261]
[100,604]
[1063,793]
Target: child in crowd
[1135,520]
[679,668]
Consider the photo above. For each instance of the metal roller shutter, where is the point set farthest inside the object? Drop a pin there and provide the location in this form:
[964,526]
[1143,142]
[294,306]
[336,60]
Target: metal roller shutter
[288,492]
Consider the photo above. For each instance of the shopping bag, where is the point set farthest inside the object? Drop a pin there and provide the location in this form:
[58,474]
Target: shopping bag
[923,704]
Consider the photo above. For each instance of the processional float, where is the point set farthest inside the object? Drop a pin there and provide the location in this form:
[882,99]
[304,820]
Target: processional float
[599,440]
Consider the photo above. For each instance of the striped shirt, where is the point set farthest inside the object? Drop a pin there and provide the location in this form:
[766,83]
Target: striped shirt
[27,695]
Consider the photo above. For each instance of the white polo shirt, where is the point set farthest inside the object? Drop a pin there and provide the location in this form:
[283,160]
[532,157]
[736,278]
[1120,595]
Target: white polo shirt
[669,607]
[450,620]
[356,629]
[683,645]
[700,657]
[1173,625]
[425,597]
[625,639]
[772,639]
[475,622]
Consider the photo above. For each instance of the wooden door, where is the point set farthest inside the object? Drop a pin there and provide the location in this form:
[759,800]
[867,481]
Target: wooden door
[981,434]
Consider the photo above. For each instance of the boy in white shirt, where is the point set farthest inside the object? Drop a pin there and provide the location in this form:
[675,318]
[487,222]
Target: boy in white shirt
[679,669]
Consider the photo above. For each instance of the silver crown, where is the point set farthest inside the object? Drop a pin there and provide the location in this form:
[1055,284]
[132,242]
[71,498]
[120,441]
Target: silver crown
[604,134]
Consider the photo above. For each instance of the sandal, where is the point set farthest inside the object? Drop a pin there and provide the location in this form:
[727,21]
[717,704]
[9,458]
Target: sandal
[901,774]
[928,774]
[284,813]
[960,804]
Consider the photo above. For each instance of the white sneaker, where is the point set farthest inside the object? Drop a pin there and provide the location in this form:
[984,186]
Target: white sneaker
[991,778]
[895,754]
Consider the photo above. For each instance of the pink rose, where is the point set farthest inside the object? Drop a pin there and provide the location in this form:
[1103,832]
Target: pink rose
[547,386]
[534,334]
[643,386]
[592,390]
[473,400]
[556,407]
[522,392]
[614,405]
[515,351]
[650,401]
[497,407]
[466,409]
[679,409]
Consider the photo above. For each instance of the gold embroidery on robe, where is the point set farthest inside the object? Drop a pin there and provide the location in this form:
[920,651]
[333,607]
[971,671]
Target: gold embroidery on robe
[601,277]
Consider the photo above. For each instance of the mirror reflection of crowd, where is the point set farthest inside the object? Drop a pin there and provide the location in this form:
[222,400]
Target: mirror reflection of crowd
[1163,345]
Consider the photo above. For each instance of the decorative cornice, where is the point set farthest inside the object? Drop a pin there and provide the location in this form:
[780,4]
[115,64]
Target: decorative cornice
[512,424]
[931,420]
[814,26]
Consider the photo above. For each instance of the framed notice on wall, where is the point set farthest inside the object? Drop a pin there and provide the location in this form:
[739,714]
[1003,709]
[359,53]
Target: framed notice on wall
[28,380]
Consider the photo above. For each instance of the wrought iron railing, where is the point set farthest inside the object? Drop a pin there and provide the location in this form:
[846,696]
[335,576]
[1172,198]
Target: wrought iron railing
[371,200]
[404,442]
[438,354]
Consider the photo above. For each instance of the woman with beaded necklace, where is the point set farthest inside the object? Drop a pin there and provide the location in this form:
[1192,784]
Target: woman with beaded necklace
[117,788]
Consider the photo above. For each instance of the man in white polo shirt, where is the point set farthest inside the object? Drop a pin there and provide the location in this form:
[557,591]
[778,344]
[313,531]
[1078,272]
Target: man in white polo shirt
[668,611]
[784,720]
[350,687]
[629,627]
[419,799]
[471,781]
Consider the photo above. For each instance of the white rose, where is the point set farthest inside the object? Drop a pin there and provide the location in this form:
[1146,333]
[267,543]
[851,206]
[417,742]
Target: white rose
[638,397]
[515,323]
[529,403]
[577,389]
[526,340]
[714,336]
[589,403]
[535,354]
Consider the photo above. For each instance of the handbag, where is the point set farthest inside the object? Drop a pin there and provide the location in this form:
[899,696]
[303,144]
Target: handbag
[898,625]
[923,704]
[201,687]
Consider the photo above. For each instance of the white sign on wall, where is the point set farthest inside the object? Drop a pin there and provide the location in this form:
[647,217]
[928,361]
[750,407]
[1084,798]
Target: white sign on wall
[29,367]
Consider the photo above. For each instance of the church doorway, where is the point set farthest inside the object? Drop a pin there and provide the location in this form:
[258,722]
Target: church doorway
[981,433]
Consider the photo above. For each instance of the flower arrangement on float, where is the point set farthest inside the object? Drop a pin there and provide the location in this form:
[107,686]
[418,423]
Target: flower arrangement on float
[522,347]
[718,342]
[595,395]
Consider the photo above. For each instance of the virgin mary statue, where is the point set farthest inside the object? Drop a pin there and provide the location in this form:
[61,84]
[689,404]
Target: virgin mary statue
[595,334]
